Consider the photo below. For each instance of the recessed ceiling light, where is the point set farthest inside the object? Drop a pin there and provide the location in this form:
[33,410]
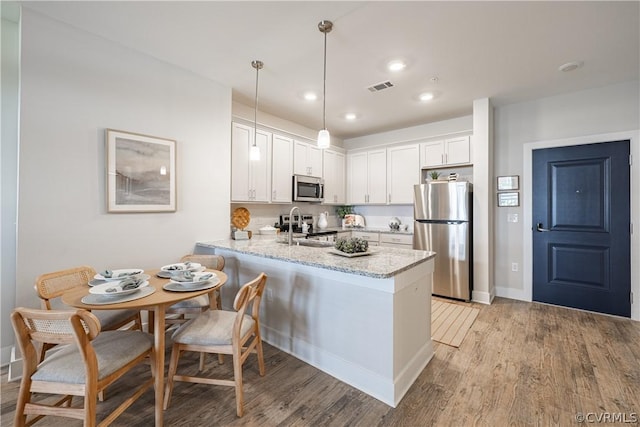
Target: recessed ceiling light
[396,65]
[350,116]
[570,66]
[425,97]
[310,96]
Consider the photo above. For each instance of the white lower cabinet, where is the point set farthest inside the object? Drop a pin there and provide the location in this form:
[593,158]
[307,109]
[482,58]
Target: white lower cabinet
[372,237]
[404,241]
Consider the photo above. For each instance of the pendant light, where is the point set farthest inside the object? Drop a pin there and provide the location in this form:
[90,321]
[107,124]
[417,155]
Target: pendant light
[254,152]
[324,139]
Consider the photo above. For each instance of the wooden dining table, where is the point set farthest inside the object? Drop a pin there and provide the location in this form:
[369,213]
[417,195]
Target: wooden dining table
[156,304]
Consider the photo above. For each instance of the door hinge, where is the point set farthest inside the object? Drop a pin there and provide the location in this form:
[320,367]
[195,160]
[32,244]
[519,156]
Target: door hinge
[631,297]
[630,159]
[631,228]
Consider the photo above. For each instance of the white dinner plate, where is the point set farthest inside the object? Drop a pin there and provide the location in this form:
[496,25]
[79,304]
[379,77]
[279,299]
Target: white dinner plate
[197,279]
[96,282]
[120,274]
[181,266]
[102,300]
[177,287]
[105,289]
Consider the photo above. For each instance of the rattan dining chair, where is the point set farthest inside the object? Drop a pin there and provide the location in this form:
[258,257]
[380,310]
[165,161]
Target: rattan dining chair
[51,286]
[178,312]
[86,361]
[224,332]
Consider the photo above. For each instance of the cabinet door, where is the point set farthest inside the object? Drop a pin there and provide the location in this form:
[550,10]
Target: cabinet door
[334,173]
[314,160]
[281,169]
[357,178]
[307,159]
[377,172]
[300,166]
[458,150]
[241,140]
[432,154]
[403,172]
[261,169]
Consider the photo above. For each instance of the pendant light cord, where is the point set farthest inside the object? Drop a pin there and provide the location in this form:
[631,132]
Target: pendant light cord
[257,65]
[324,90]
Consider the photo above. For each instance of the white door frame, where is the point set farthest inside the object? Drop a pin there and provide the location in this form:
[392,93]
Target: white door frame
[527,204]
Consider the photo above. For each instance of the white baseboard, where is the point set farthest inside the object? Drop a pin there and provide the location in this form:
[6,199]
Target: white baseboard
[517,294]
[15,365]
[481,297]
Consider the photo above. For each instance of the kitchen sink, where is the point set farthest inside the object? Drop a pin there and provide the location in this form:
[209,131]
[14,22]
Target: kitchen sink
[309,242]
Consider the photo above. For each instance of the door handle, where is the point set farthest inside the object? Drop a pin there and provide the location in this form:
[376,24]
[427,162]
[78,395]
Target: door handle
[539,227]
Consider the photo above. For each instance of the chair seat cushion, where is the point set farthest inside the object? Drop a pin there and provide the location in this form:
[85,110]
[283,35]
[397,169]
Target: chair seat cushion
[198,302]
[212,327]
[111,318]
[113,349]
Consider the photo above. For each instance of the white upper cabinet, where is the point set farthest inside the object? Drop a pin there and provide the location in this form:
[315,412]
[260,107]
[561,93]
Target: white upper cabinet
[281,169]
[367,177]
[403,172]
[334,177]
[250,180]
[307,159]
[452,151]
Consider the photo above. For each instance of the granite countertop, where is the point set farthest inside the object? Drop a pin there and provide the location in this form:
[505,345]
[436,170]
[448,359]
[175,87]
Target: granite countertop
[382,263]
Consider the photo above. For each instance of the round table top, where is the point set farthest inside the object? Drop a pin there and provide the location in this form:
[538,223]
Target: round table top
[160,297]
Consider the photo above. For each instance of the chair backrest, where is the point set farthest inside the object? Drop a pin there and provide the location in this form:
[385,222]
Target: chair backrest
[53,327]
[214,262]
[249,294]
[53,285]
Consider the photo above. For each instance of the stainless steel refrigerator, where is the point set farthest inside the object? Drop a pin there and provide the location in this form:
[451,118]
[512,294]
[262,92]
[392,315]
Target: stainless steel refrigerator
[443,214]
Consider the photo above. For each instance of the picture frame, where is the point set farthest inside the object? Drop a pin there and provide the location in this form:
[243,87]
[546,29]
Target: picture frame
[509,199]
[508,182]
[141,173]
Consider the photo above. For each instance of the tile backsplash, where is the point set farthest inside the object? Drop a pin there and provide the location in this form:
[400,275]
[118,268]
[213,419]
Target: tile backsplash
[375,216]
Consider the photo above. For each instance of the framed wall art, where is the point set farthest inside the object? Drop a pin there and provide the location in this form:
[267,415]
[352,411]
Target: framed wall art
[508,182]
[509,199]
[141,173]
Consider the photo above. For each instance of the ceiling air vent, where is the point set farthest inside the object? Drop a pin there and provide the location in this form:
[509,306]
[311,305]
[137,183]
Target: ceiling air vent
[380,86]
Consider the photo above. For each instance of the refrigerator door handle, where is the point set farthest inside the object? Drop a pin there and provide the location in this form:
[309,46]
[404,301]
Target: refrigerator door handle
[540,229]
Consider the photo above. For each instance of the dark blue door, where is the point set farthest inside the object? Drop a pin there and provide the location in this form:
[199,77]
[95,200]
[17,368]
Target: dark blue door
[581,227]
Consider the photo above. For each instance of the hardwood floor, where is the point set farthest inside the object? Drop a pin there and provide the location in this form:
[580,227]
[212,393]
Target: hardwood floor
[520,364]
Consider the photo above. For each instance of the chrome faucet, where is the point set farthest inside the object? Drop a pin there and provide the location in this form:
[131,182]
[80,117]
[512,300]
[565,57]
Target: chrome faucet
[291,223]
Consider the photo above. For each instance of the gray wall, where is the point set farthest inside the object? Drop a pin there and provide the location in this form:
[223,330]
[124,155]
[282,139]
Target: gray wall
[592,112]
[9,176]
[73,86]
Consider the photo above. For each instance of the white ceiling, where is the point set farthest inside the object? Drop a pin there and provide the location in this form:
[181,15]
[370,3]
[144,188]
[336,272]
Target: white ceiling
[507,51]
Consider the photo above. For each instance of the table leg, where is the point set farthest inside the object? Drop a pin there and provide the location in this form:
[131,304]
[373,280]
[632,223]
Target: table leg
[158,334]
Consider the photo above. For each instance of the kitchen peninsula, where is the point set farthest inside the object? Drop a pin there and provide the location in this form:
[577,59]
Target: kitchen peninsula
[365,320]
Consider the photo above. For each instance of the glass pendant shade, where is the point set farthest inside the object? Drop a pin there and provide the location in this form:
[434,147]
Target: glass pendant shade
[254,153]
[324,139]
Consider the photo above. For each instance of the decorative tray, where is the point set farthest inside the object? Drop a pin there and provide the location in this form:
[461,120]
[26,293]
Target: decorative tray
[347,255]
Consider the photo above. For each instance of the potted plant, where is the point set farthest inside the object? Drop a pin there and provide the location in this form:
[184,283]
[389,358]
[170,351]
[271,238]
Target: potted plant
[434,175]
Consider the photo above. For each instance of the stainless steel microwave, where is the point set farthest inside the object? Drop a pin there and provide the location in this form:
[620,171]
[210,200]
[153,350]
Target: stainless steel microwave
[308,188]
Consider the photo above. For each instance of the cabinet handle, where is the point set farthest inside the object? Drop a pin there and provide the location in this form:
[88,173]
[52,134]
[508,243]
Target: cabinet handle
[389,198]
[442,158]
[446,158]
